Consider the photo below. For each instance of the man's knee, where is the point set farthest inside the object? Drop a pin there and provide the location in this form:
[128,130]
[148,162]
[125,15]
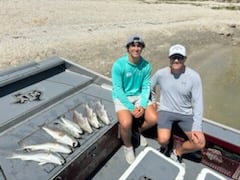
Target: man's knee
[151,114]
[151,118]
[154,118]
[125,119]
[163,139]
[125,125]
[200,146]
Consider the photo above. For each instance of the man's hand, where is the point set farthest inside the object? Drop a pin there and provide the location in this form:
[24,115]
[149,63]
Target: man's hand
[198,137]
[138,112]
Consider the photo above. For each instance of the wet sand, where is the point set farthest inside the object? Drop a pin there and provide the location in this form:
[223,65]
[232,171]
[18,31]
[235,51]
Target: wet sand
[93,33]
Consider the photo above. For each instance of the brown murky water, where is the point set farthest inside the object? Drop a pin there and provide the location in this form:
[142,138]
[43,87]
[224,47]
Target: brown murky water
[221,84]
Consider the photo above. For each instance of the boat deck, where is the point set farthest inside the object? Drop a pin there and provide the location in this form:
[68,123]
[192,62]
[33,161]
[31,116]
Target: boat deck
[40,93]
[116,165]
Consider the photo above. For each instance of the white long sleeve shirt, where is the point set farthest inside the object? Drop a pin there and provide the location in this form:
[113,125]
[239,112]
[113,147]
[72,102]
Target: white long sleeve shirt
[181,95]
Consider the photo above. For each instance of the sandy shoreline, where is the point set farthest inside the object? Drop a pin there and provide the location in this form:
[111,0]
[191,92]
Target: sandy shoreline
[93,33]
[33,30]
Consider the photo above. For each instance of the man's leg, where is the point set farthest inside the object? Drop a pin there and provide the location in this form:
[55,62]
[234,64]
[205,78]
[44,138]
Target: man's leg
[187,147]
[125,121]
[191,146]
[150,118]
[164,136]
[164,132]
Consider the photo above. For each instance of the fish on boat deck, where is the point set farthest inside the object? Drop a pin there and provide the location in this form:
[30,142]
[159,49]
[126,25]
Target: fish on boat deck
[41,157]
[82,121]
[102,113]
[61,136]
[49,147]
[91,117]
[70,127]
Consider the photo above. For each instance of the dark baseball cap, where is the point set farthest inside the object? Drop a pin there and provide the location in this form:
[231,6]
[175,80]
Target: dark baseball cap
[135,39]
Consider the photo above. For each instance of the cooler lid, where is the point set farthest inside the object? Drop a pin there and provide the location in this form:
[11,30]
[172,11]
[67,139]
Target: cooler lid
[208,174]
[151,164]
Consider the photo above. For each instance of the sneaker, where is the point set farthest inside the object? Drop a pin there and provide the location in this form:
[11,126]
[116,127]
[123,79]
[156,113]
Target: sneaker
[143,141]
[177,158]
[129,154]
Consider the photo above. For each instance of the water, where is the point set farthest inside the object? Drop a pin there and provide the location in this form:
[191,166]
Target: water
[222,88]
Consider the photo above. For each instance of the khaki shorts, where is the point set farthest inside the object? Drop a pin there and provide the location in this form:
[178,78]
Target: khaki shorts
[133,99]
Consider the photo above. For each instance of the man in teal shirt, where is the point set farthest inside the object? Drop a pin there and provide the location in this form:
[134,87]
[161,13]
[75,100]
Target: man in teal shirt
[131,78]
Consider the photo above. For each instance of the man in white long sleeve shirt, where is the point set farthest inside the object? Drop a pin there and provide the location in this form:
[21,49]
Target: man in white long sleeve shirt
[180,101]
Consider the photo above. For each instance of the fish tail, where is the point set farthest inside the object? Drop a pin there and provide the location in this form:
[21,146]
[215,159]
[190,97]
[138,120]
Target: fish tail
[42,163]
[42,125]
[13,156]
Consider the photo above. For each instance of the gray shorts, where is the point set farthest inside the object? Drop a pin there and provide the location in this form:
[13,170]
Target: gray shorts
[166,119]
[133,99]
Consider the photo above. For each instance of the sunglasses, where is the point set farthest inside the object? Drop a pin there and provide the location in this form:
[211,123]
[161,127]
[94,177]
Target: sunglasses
[177,56]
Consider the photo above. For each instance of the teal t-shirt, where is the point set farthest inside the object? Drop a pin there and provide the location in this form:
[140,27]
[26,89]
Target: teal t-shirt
[129,79]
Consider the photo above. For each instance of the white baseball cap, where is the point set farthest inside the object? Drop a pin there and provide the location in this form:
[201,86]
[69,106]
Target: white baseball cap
[177,49]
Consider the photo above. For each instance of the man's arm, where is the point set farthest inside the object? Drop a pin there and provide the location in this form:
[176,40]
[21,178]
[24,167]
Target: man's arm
[146,87]
[197,100]
[117,82]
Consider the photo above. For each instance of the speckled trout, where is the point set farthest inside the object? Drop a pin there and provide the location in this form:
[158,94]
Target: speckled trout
[91,117]
[82,121]
[49,147]
[70,127]
[61,136]
[102,113]
[41,157]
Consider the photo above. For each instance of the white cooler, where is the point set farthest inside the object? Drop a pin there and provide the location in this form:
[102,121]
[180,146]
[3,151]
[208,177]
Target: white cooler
[150,164]
[207,174]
